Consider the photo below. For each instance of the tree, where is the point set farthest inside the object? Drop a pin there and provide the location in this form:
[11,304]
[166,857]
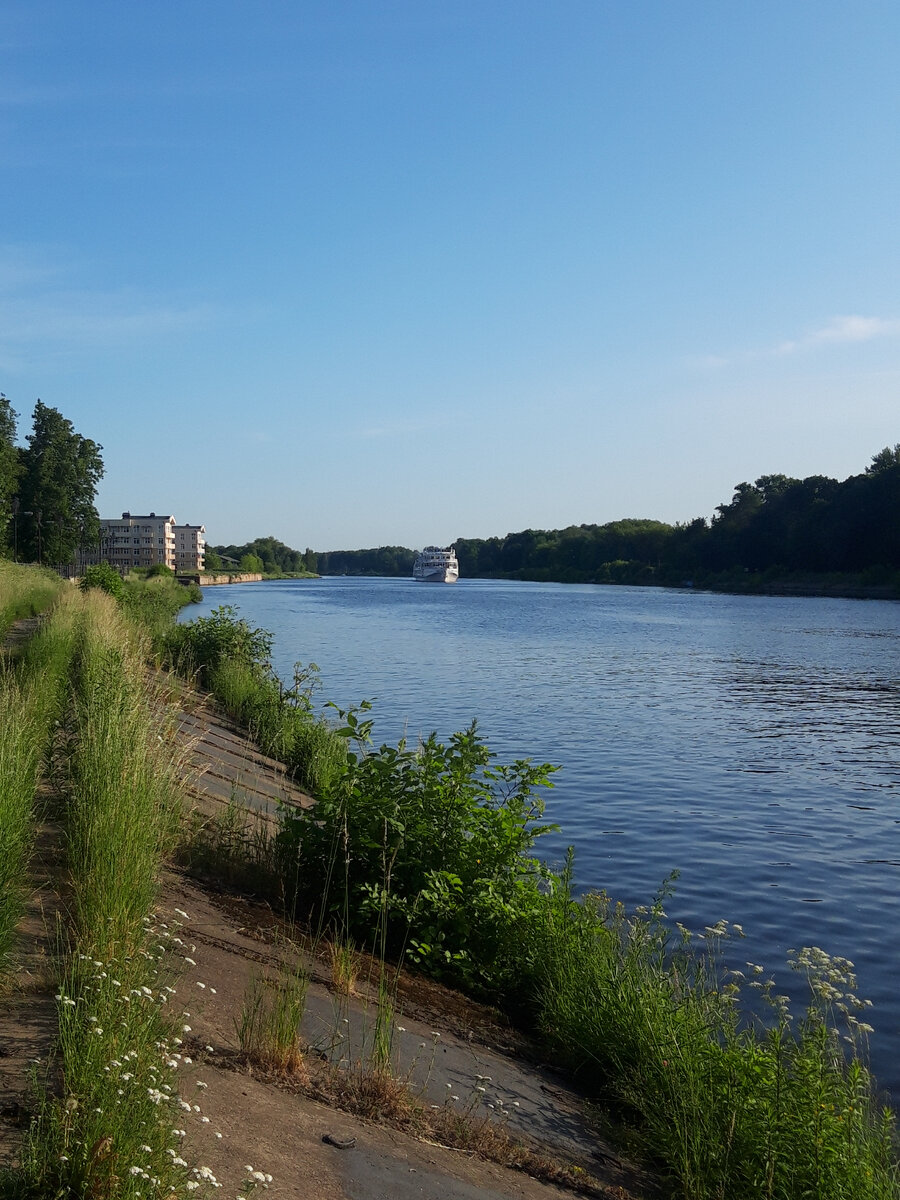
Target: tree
[884,460]
[60,473]
[10,470]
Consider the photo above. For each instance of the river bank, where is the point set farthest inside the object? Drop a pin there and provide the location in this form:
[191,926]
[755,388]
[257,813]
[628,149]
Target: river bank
[648,1025]
[877,585]
[341,1123]
[217,578]
[733,738]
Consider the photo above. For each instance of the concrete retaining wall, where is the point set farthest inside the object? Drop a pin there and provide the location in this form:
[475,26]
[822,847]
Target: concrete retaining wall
[212,580]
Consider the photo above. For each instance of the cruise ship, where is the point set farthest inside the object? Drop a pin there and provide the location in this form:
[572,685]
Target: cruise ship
[436,565]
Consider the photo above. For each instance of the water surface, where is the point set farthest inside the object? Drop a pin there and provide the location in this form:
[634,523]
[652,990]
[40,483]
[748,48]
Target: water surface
[750,743]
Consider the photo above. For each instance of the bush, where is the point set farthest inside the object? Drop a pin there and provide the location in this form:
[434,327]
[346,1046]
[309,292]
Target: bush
[104,577]
[436,846]
[202,645]
[153,603]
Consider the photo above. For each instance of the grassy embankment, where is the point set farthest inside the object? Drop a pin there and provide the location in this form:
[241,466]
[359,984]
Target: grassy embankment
[426,854]
[110,1130]
[222,654]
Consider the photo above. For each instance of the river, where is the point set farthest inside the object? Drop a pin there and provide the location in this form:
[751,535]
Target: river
[750,743]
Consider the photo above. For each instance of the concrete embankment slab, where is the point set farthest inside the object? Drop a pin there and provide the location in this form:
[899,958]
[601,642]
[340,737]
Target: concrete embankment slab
[232,940]
[223,766]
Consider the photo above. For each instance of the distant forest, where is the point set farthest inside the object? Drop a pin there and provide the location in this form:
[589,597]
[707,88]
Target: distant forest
[386,560]
[794,531]
[265,554]
[777,527]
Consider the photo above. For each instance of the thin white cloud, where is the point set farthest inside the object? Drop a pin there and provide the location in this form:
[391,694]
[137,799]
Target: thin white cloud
[707,362]
[400,428]
[42,312]
[83,318]
[843,330]
[839,331]
[27,266]
[27,95]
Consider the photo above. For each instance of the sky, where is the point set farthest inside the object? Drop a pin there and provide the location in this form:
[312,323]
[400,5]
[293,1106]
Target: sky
[366,272]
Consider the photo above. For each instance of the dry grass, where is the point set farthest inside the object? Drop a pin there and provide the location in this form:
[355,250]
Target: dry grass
[268,1028]
[383,1099]
[345,967]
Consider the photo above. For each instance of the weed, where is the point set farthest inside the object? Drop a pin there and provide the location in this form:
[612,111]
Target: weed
[236,846]
[344,966]
[268,1028]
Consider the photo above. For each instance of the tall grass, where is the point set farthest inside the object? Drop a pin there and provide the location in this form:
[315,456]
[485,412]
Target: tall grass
[288,732]
[21,748]
[729,1106]
[268,1028]
[25,591]
[224,654]
[113,1132]
[123,807]
[154,602]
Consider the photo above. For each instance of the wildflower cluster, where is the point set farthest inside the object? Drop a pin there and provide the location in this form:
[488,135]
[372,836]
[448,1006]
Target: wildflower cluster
[122,1048]
[832,984]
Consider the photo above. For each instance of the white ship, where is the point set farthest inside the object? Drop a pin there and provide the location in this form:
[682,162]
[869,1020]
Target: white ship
[436,565]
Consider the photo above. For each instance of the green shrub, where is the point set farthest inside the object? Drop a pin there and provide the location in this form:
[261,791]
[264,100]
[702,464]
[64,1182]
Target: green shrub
[231,659]
[154,602]
[105,577]
[200,646]
[435,842]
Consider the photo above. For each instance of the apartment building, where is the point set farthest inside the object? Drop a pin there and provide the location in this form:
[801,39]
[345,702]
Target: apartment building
[135,540]
[190,547]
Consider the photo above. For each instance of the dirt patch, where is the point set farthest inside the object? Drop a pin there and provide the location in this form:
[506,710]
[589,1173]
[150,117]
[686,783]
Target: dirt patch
[27,1005]
[17,635]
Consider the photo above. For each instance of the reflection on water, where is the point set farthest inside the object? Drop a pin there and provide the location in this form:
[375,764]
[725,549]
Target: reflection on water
[751,743]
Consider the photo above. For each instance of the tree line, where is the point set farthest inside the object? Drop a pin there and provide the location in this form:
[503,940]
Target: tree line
[383,560]
[272,557]
[265,555]
[773,528]
[47,488]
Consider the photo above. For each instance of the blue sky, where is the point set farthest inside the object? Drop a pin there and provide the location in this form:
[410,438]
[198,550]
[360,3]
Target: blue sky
[355,273]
